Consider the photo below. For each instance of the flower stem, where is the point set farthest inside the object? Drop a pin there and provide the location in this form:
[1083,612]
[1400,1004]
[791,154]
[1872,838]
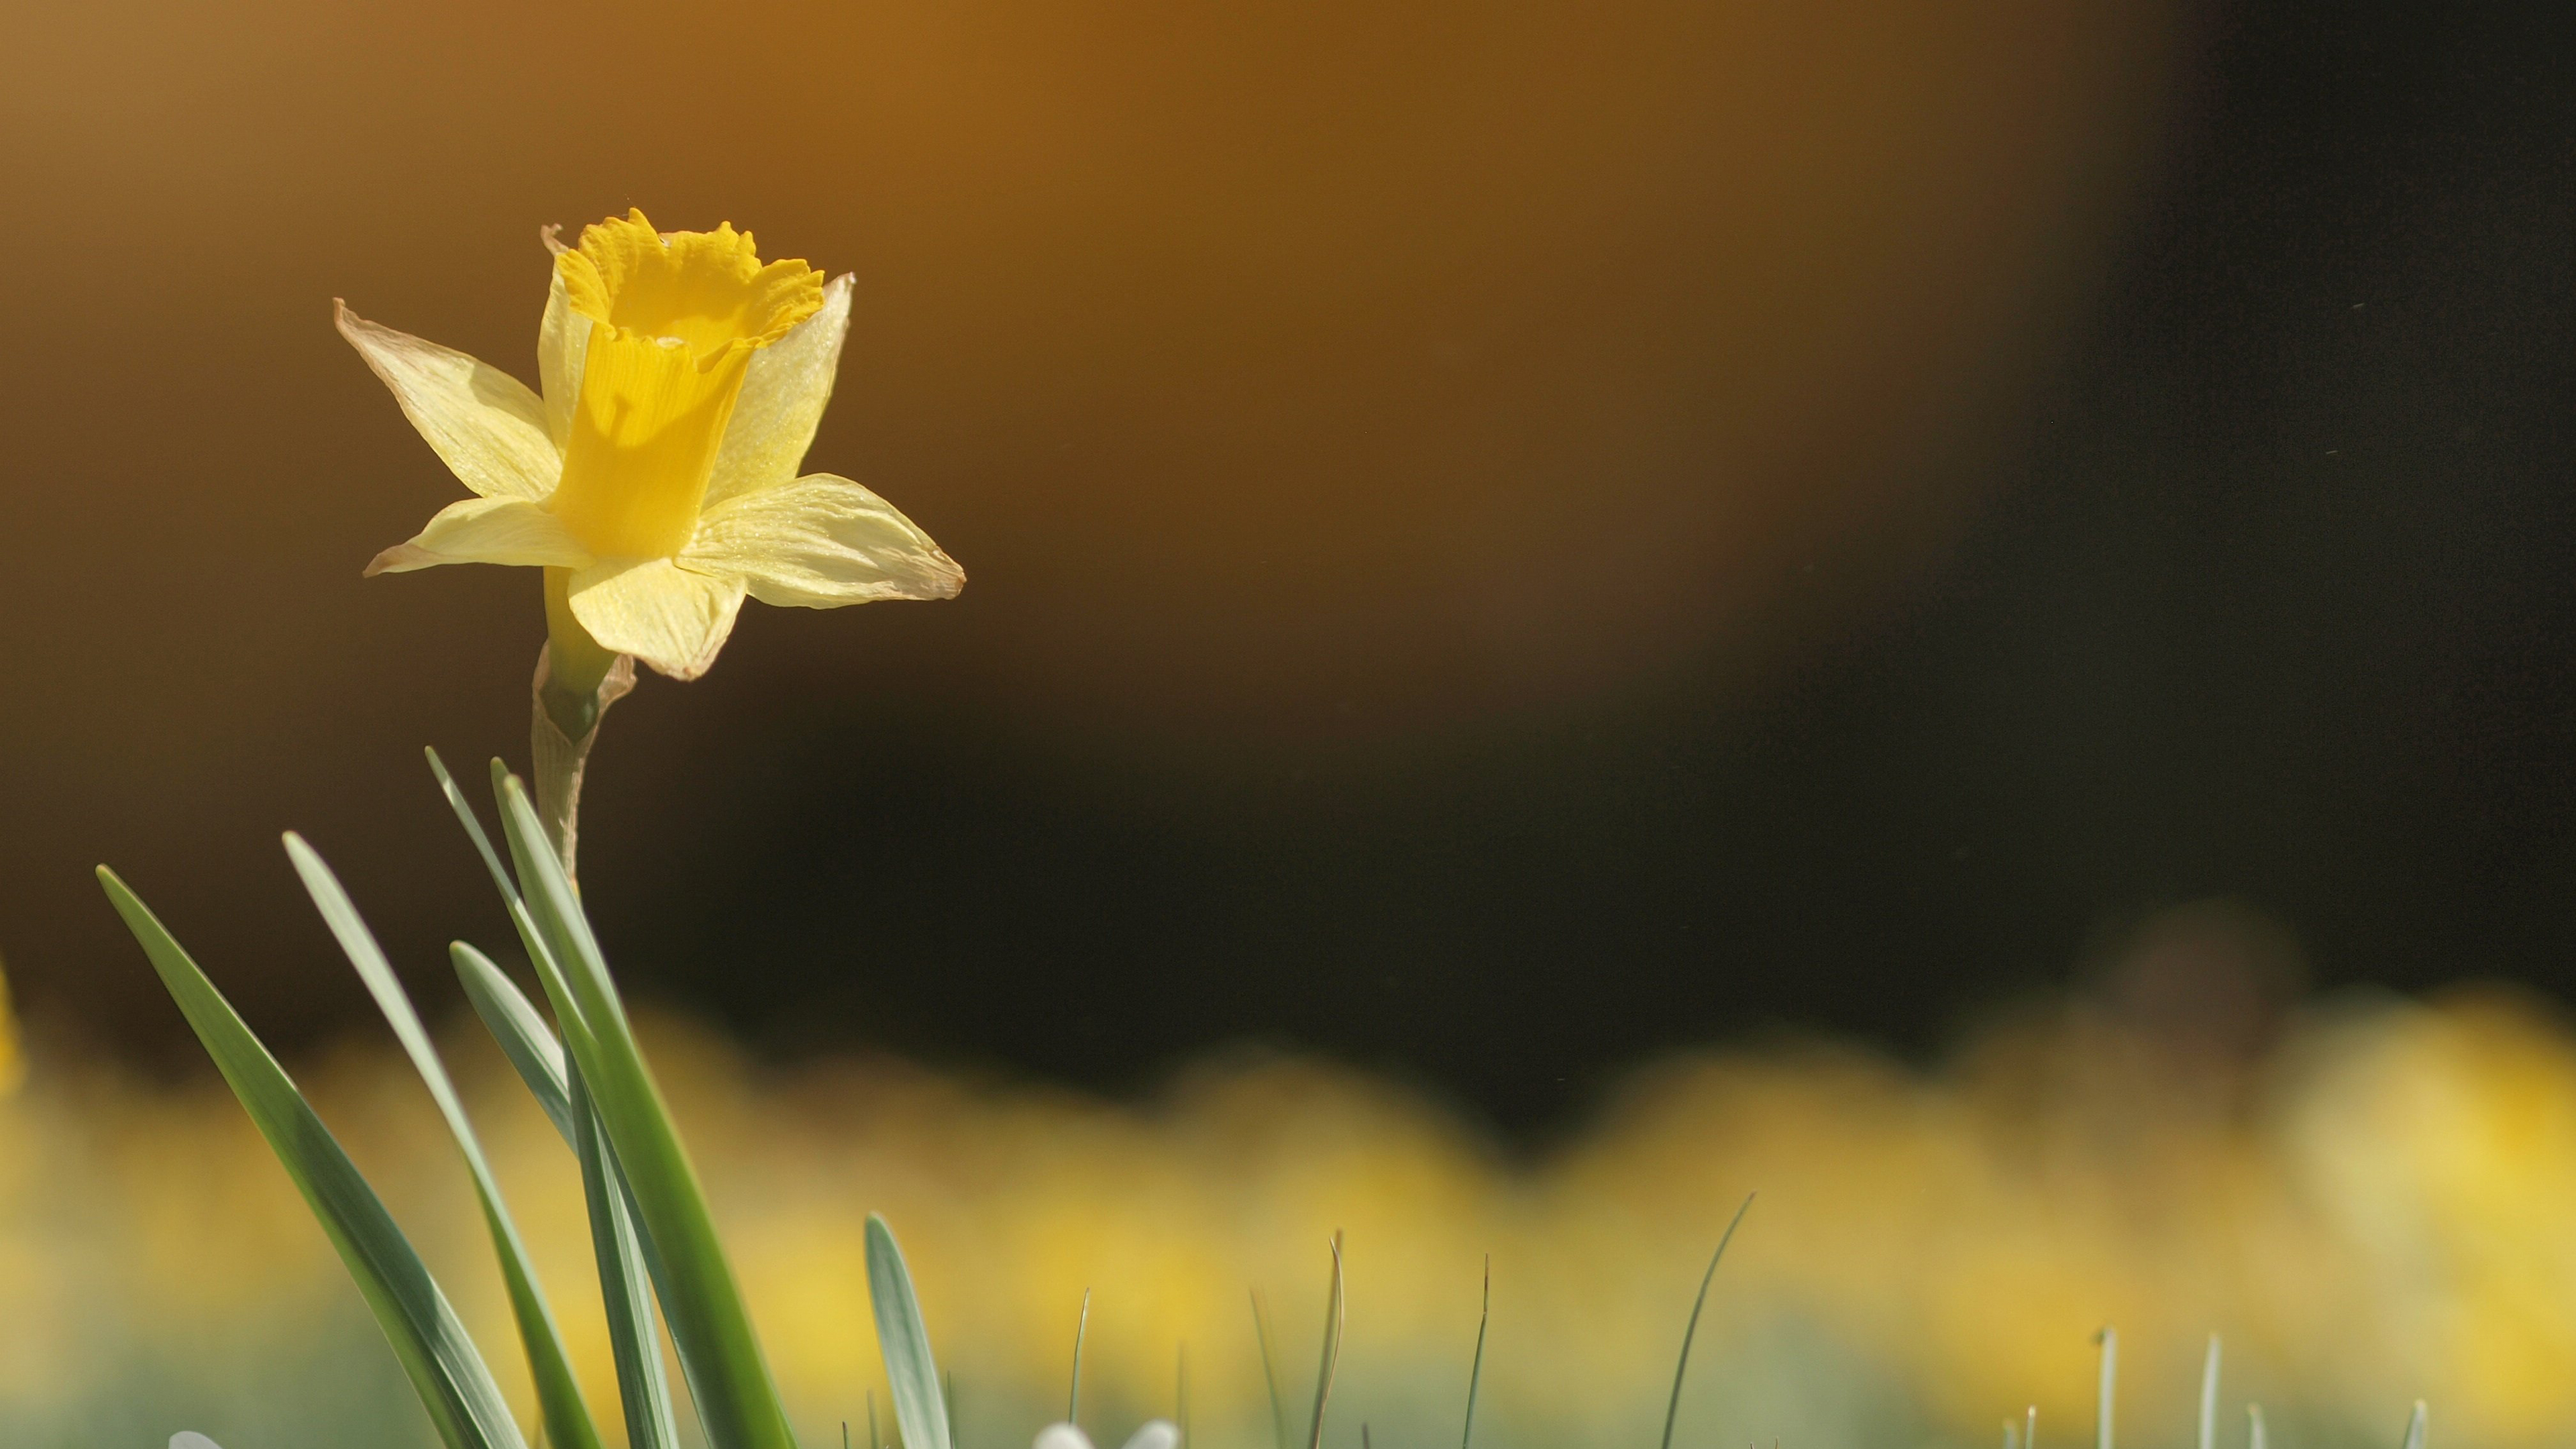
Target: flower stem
[576,682]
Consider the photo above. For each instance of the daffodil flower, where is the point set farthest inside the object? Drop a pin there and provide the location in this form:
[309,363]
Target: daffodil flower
[1157,1434]
[653,477]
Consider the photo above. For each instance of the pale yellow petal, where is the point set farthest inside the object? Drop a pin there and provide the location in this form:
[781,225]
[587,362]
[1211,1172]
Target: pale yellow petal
[483,423]
[820,542]
[562,339]
[783,393]
[670,617]
[486,530]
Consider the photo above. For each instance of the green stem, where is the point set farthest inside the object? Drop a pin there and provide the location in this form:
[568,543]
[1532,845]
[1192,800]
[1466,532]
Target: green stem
[576,682]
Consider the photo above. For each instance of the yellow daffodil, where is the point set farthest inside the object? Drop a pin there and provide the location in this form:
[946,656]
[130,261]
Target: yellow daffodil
[654,478]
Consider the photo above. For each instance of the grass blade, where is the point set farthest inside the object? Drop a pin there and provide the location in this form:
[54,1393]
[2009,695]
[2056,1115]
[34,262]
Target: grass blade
[2209,1396]
[2415,1427]
[1476,1368]
[701,1302]
[625,1284]
[920,1412]
[1332,1348]
[2255,1436]
[2109,1338]
[559,1401]
[709,1329]
[1269,1373]
[453,1382]
[524,1036]
[1073,1396]
[618,1241]
[1690,1330]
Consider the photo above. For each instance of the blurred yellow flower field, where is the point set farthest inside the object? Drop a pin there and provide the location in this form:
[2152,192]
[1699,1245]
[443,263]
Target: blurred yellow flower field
[2373,1212]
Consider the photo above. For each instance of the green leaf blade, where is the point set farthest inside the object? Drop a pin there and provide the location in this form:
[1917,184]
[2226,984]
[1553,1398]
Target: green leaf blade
[453,1382]
[920,1410]
[567,1418]
[513,1021]
[701,1302]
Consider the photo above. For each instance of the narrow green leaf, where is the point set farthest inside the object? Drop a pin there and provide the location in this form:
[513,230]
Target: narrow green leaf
[701,1303]
[2209,1396]
[1476,1368]
[1332,1348]
[627,1271]
[1081,1329]
[567,1418]
[524,1037]
[451,1378]
[1269,1372]
[2415,1427]
[1673,1410]
[2109,1339]
[920,1412]
[625,1285]
[542,1063]
[2255,1436]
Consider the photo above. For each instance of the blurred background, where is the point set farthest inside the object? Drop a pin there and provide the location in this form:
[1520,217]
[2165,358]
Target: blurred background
[1507,543]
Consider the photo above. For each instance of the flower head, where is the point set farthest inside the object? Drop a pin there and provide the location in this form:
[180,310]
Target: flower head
[654,478]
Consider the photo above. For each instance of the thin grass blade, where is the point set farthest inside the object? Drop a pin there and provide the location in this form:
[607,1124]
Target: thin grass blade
[2415,1427]
[616,1227]
[559,1401]
[453,1382]
[728,1379]
[2209,1396]
[2256,1437]
[920,1411]
[2109,1339]
[1476,1367]
[701,1302]
[1332,1348]
[524,1036]
[625,1285]
[1073,1395]
[1690,1330]
[1269,1372]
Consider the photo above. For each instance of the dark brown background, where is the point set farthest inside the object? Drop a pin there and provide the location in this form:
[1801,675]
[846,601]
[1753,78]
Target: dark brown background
[1502,536]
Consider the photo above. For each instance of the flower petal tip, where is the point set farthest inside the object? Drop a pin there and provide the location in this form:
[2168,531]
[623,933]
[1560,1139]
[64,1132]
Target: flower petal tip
[402,558]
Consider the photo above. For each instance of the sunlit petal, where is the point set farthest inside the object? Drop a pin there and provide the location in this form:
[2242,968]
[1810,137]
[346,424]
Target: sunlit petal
[562,339]
[483,423]
[782,399]
[669,617]
[821,542]
[486,530]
